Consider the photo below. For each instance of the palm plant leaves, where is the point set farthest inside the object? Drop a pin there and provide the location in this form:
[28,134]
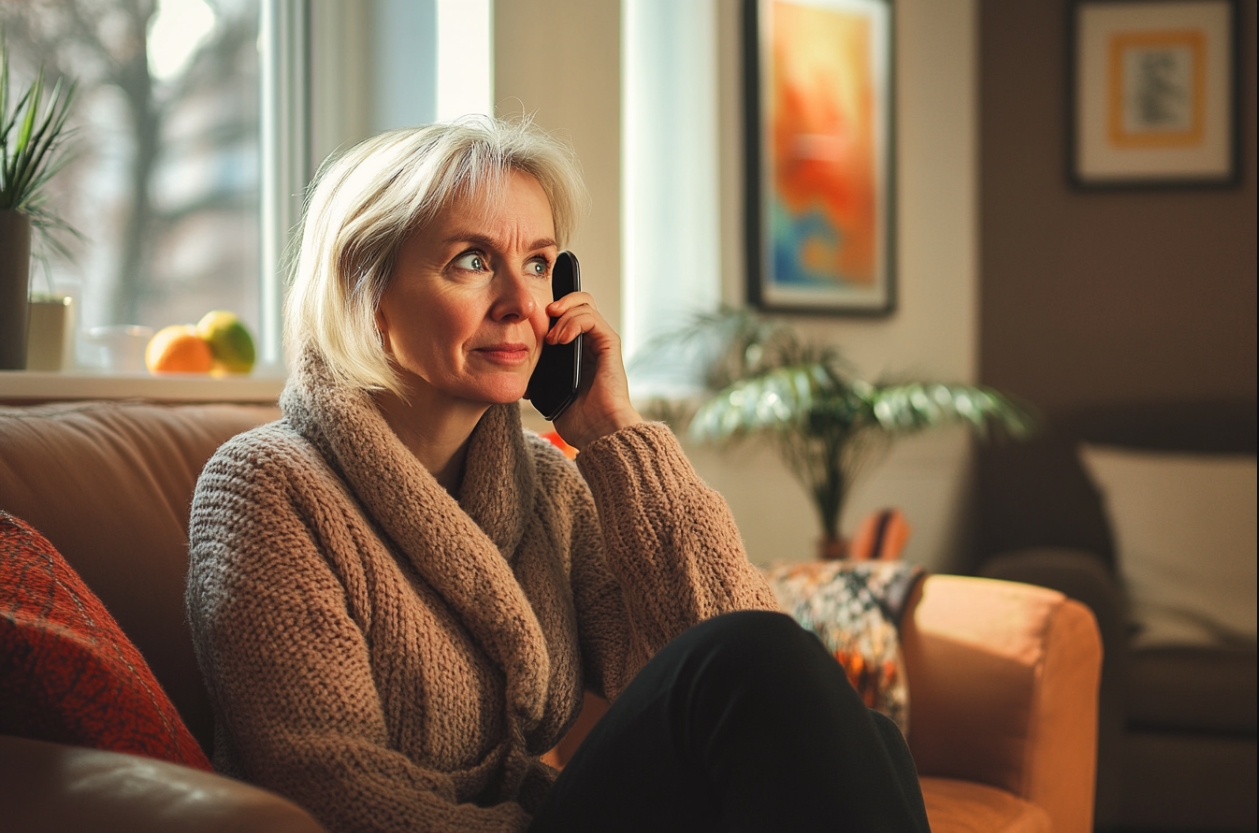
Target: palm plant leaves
[913,407]
[825,424]
[812,399]
[775,399]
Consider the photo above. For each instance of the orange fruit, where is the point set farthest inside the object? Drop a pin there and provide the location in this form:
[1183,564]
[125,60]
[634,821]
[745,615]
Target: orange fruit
[178,349]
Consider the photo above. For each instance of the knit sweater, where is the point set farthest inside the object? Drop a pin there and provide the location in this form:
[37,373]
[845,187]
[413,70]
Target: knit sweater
[395,658]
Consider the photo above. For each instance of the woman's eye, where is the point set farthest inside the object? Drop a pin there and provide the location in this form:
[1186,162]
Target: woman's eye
[472,262]
[539,268]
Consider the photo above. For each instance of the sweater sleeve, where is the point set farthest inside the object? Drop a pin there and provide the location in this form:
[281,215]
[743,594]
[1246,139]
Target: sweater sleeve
[667,554]
[288,667]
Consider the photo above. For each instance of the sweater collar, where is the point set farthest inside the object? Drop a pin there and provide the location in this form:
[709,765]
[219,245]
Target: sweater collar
[464,549]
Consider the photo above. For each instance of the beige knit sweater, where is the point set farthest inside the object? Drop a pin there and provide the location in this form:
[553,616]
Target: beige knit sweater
[394,659]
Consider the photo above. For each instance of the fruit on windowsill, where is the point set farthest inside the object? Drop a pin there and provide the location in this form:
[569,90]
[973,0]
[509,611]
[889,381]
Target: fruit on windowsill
[178,349]
[230,343]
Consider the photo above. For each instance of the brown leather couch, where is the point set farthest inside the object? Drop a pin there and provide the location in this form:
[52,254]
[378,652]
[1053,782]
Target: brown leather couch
[1003,676]
[1177,739]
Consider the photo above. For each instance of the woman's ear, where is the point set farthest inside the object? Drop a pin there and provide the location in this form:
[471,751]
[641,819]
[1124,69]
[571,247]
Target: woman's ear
[382,328]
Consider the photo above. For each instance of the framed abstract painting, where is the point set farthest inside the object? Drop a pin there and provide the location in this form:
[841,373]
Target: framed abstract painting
[1154,93]
[820,148]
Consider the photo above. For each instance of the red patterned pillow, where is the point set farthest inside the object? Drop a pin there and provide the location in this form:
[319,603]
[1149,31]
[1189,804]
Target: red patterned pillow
[67,671]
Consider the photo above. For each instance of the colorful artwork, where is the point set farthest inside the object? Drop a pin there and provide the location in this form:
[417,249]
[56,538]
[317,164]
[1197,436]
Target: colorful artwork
[824,154]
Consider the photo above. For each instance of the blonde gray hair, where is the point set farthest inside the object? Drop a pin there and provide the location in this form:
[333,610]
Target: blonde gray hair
[363,203]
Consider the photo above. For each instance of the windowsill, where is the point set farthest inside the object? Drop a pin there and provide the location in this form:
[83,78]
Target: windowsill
[27,386]
[19,386]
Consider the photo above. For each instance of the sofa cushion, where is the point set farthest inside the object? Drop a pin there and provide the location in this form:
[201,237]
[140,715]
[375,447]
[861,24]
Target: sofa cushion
[967,807]
[1185,537]
[1192,689]
[67,672]
[51,788]
[110,485]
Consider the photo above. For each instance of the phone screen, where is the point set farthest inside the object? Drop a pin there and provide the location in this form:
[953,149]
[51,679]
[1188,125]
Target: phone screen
[553,385]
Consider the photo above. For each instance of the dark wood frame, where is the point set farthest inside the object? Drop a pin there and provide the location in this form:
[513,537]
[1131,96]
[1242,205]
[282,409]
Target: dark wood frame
[755,225]
[1231,179]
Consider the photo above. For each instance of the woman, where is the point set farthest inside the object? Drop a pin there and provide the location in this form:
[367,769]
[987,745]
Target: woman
[398,597]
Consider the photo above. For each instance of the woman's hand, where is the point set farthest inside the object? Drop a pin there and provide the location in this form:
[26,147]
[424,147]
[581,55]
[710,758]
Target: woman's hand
[603,403]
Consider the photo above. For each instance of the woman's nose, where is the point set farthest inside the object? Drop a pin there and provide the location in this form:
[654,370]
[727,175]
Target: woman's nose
[515,298]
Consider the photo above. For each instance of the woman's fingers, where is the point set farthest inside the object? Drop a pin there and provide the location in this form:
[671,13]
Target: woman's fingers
[573,299]
[570,326]
[603,403]
[575,314]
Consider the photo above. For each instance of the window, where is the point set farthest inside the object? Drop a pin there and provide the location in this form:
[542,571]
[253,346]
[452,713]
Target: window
[164,183]
[670,235]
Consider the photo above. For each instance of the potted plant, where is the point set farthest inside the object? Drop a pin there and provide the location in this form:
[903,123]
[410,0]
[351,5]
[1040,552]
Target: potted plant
[760,379]
[32,144]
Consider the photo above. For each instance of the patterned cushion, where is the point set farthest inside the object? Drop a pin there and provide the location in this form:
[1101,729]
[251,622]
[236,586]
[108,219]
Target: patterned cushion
[855,608]
[67,672]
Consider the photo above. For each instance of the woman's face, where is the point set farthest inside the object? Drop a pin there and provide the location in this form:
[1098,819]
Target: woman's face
[464,313]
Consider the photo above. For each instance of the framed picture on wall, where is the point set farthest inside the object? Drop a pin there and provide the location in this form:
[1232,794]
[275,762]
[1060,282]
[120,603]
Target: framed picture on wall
[820,139]
[1154,93]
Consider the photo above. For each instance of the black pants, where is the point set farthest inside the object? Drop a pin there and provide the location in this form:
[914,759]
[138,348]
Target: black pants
[743,723]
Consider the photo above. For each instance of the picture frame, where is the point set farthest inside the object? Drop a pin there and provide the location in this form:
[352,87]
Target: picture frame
[1154,94]
[820,144]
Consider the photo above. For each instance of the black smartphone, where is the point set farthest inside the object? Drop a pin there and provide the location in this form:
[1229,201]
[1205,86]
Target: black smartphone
[553,385]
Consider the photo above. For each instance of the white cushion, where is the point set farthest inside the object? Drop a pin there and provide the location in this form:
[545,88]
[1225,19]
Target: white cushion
[1185,540]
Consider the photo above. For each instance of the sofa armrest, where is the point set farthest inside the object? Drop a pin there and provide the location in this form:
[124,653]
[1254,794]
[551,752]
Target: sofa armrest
[1004,684]
[1084,577]
[49,788]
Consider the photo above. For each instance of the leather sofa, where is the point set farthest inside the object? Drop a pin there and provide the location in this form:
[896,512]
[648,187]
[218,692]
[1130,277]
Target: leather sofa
[1177,740]
[1003,676]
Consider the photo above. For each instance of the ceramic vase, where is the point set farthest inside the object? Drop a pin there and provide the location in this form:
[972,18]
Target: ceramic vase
[49,333]
[15,271]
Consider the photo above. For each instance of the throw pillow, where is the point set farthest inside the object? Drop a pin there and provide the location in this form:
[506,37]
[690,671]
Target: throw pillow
[855,608]
[67,671]
[1185,541]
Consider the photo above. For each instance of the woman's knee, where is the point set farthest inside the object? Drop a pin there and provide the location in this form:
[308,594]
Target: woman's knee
[745,627]
[756,642]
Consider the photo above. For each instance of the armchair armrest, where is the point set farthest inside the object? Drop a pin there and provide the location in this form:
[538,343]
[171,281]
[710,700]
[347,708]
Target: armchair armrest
[50,787]
[1004,682]
[1074,573]
[1084,577]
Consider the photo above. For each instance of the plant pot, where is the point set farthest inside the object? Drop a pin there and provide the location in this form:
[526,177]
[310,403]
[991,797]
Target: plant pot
[15,272]
[832,549]
[49,343]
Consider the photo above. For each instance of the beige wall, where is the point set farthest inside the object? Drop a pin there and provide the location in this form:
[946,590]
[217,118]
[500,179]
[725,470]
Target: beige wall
[933,332]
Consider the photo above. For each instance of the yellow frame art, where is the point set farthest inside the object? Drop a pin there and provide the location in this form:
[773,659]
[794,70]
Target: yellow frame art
[1121,82]
[1154,93]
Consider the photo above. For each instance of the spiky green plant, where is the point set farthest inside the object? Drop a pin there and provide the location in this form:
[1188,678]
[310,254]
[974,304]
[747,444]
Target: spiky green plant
[32,150]
[764,381]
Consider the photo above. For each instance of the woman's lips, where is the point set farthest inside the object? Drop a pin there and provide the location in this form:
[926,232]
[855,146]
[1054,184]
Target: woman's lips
[507,353]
